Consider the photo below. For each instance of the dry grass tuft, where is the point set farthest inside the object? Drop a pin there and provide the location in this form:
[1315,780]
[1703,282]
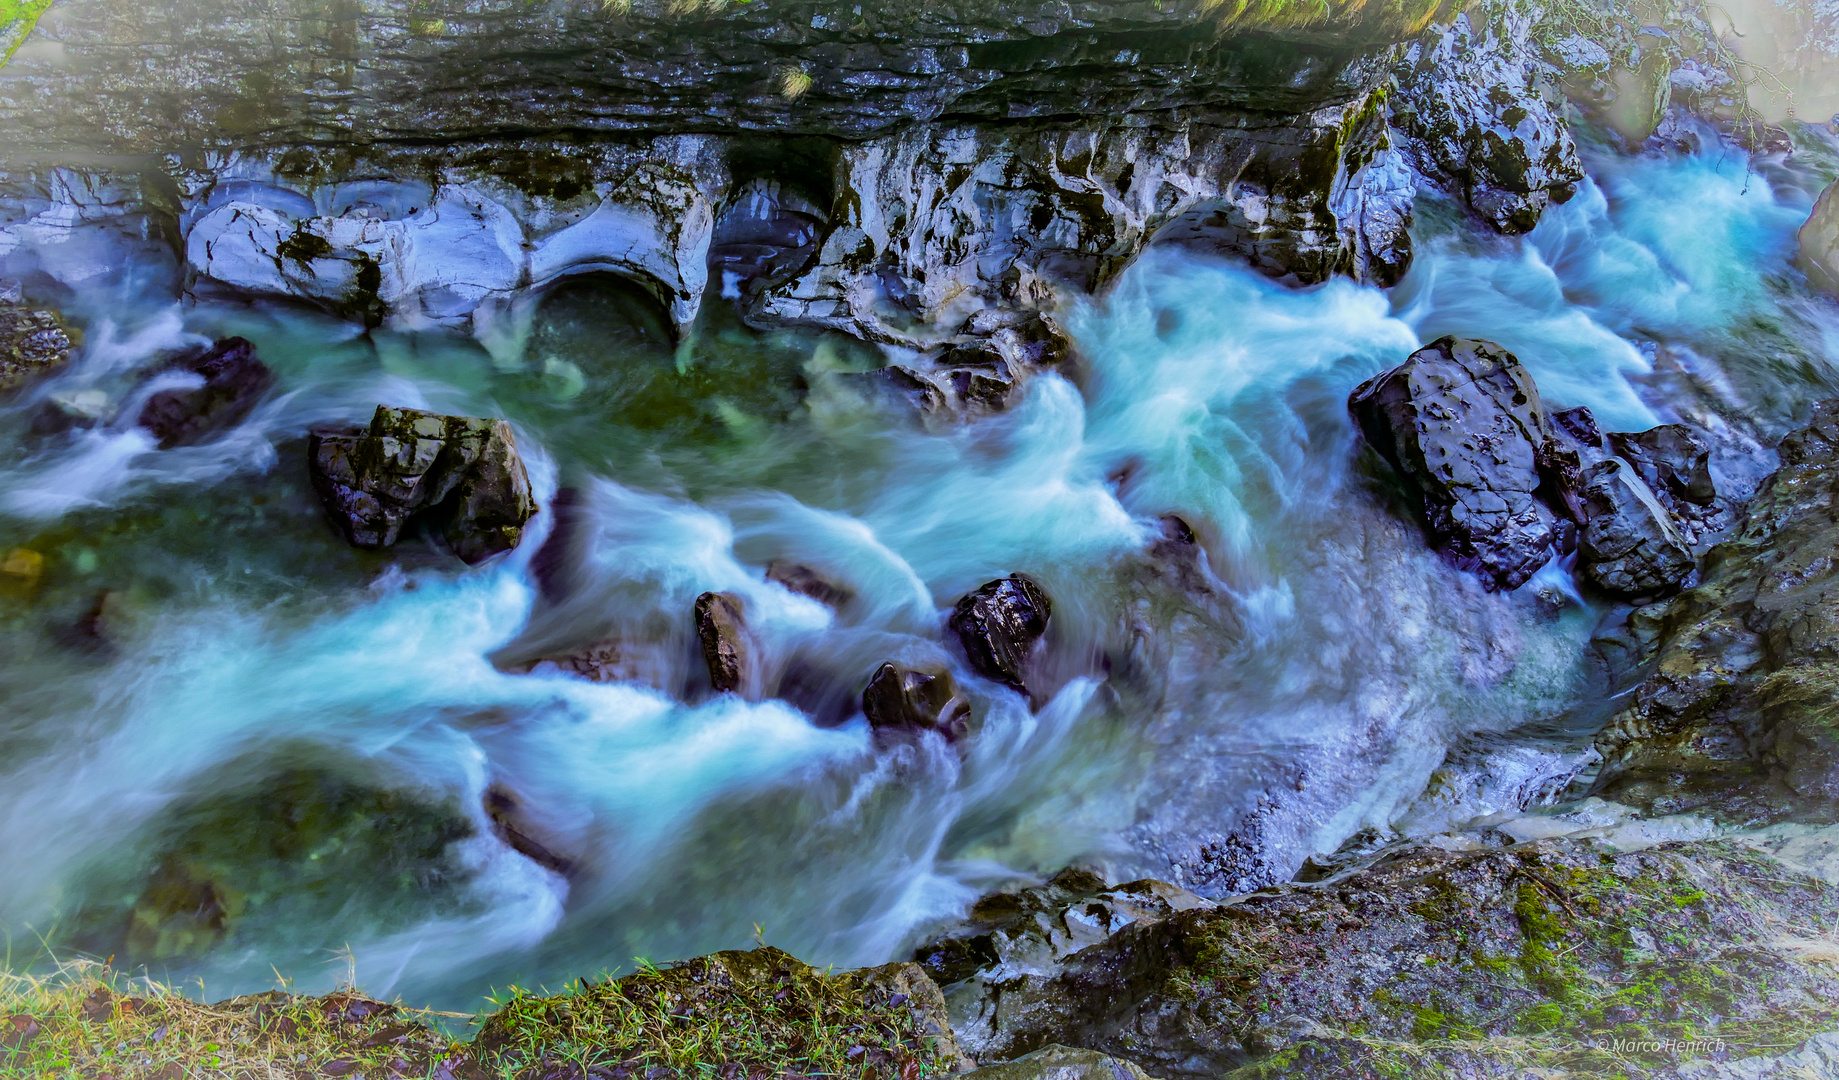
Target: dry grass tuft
[85,1021]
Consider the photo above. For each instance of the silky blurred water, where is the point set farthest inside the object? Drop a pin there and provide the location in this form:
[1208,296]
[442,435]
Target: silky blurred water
[208,688]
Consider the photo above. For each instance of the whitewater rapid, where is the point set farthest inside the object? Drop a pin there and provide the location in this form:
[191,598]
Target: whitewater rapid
[1294,681]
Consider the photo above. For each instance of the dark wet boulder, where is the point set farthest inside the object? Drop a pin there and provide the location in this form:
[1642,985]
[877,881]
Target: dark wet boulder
[721,626]
[808,582]
[999,625]
[1629,544]
[1674,462]
[486,513]
[32,340]
[1462,424]
[229,382]
[461,474]
[512,824]
[901,699]
[978,376]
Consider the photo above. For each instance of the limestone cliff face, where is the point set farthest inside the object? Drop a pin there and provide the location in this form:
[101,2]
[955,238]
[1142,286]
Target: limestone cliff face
[909,173]
[915,174]
[127,75]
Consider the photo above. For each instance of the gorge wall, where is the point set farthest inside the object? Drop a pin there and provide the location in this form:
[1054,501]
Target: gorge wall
[909,175]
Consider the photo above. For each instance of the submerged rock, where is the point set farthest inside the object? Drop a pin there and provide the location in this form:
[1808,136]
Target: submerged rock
[1462,423]
[231,381]
[512,825]
[32,340]
[721,626]
[999,625]
[1819,252]
[461,473]
[1735,719]
[808,582]
[900,699]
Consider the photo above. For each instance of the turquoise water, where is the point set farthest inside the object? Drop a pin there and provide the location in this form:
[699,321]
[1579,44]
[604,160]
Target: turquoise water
[233,745]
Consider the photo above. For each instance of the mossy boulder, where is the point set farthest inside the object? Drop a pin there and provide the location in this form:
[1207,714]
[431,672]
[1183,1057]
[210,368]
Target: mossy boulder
[1737,715]
[461,474]
[731,1015]
[1538,955]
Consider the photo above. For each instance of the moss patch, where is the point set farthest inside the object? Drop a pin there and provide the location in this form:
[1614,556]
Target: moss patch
[732,1015]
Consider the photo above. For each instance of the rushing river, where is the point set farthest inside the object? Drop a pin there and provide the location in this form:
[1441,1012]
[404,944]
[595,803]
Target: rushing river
[234,746]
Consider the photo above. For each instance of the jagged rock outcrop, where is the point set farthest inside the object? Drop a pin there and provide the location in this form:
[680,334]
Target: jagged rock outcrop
[1380,971]
[901,700]
[999,625]
[1736,715]
[1819,237]
[1483,121]
[933,178]
[214,391]
[461,474]
[1502,484]
[1032,931]
[32,340]
[721,627]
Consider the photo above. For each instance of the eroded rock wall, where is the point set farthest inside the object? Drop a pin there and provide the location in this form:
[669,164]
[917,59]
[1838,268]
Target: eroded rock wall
[906,174]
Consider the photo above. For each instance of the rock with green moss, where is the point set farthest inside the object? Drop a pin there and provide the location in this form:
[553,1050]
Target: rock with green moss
[1738,714]
[460,473]
[32,340]
[1487,962]
[730,1014]
[1483,122]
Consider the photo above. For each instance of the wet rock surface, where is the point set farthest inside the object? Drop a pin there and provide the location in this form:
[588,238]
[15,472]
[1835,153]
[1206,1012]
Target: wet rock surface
[1378,973]
[1819,240]
[408,65]
[1502,484]
[1629,544]
[903,700]
[1735,714]
[32,341]
[1482,119]
[721,627]
[936,178]
[808,582]
[999,624]
[218,389]
[461,474]
[1461,421]
[1056,1062]
[1031,930]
